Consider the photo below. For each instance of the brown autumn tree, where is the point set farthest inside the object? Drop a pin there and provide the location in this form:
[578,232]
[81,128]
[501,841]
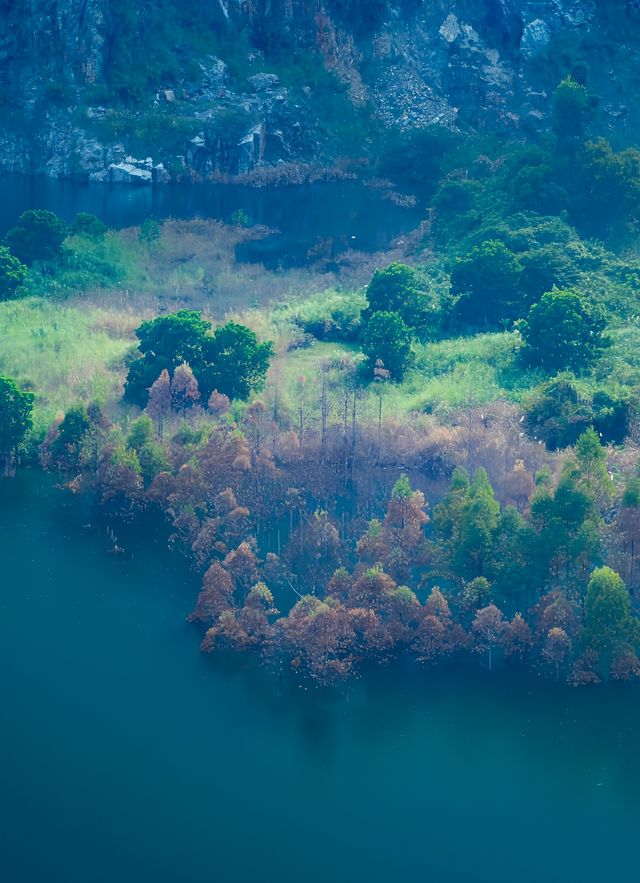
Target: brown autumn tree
[185,392]
[625,665]
[227,631]
[402,613]
[314,549]
[159,402]
[372,588]
[318,638]
[517,639]
[518,486]
[216,595]
[398,543]
[555,610]
[585,669]
[248,626]
[340,585]
[557,648]
[242,564]
[436,636]
[120,480]
[218,403]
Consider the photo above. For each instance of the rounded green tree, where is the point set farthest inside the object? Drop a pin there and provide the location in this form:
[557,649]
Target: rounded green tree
[399,289]
[237,363]
[229,360]
[38,236]
[563,331]
[387,344]
[609,626]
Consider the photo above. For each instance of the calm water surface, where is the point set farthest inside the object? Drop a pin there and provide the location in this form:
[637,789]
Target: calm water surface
[128,756]
[346,214]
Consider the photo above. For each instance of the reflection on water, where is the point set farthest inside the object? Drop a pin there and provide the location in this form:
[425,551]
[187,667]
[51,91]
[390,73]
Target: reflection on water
[331,217]
[127,755]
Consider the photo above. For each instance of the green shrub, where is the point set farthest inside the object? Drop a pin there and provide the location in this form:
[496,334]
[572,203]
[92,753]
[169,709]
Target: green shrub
[571,106]
[558,412]
[86,224]
[331,315]
[13,275]
[488,283]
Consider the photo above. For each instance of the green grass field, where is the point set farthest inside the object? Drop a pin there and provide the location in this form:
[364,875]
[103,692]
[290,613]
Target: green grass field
[64,353]
[71,343]
[448,374]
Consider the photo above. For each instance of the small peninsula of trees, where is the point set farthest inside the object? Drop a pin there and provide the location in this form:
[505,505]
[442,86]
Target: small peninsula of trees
[319,553]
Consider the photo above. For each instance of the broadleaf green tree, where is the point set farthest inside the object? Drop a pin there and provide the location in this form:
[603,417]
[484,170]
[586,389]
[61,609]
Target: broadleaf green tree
[16,409]
[387,343]
[236,363]
[229,359]
[564,332]
[399,289]
[610,629]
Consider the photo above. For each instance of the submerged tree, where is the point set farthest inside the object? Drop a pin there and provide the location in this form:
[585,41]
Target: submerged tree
[557,648]
[64,449]
[609,628]
[488,628]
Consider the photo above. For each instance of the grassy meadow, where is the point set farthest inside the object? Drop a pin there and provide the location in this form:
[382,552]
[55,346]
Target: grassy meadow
[64,352]
[70,340]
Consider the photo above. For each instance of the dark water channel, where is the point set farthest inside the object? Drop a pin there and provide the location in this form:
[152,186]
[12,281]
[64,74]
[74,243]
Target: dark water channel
[330,217]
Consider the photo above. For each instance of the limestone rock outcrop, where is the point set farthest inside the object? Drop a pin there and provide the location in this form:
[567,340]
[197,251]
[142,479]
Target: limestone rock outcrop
[76,105]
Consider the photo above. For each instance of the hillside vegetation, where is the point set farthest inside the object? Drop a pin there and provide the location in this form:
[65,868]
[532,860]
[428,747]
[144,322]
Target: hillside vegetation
[430,452]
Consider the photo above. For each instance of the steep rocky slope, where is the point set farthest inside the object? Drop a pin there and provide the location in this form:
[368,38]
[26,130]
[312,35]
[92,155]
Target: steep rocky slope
[228,86]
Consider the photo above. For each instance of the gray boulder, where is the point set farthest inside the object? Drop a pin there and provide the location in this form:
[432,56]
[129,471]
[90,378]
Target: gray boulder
[263,82]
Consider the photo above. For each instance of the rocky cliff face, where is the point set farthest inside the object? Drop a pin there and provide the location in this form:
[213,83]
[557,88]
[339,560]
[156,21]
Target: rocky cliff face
[81,81]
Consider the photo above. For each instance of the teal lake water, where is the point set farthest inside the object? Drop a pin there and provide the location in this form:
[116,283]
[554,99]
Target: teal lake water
[126,755]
